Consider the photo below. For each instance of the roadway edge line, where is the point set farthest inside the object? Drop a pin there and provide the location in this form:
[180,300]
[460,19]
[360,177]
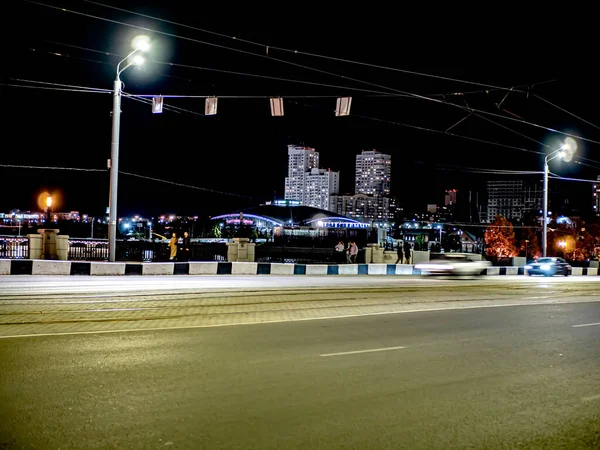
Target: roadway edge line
[301,319]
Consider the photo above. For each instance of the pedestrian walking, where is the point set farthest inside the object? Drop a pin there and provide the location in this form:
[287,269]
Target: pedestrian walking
[400,253]
[353,252]
[173,246]
[407,249]
[339,252]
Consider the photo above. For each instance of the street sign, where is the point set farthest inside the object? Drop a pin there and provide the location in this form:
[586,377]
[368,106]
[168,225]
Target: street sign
[157,105]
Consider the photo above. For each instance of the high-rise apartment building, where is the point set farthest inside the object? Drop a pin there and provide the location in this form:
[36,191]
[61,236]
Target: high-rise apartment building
[373,173]
[372,187]
[307,183]
[512,199]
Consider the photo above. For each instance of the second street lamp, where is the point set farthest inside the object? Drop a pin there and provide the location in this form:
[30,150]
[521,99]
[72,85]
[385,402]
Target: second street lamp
[565,152]
[140,43]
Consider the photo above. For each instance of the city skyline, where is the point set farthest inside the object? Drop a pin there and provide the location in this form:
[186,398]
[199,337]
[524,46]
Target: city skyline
[207,165]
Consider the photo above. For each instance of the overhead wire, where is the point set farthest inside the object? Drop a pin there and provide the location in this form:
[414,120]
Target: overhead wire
[298,52]
[349,61]
[53,88]
[389,95]
[418,96]
[565,111]
[184,185]
[81,169]
[419,128]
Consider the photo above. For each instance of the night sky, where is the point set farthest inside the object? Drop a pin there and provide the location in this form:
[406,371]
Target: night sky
[240,155]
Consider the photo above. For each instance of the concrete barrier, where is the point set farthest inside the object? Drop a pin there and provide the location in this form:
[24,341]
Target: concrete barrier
[203,268]
[404,269]
[493,271]
[348,269]
[282,269]
[57,267]
[4,266]
[157,268]
[107,268]
[47,267]
[244,268]
[316,269]
[377,269]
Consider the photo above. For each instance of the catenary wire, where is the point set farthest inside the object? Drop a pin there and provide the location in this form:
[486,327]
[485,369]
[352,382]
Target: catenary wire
[301,52]
[378,66]
[418,96]
[389,95]
[81,169]
[184,185]
[54,88]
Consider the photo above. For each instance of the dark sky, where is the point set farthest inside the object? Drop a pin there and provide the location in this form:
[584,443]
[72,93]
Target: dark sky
[243,150]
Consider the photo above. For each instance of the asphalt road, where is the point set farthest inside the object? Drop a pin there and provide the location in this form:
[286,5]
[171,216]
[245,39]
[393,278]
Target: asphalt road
[509,377]
[241,362]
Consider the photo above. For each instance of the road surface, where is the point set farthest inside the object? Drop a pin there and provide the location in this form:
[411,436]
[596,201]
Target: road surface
[413,364]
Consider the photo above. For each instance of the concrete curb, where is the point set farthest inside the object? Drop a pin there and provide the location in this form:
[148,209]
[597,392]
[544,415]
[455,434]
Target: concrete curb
[48,267]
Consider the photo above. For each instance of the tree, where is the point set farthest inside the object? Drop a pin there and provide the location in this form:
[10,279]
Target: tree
[530,244]
[500,238]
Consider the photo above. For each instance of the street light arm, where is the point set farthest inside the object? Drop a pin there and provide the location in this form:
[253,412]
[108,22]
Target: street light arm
[119,70]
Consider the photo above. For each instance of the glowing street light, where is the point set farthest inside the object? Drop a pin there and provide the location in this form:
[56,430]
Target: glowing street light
[565,152]
[140,44]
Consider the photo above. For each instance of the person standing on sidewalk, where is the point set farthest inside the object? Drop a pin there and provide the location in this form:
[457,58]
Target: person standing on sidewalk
[173,246]
[353,252]
[400,253]
[340,252]
[407,252]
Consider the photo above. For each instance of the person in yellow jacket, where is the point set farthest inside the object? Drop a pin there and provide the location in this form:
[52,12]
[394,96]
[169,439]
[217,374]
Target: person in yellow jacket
[173,246]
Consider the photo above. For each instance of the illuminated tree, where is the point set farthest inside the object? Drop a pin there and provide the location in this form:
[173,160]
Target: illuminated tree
[530,244]
[500,238]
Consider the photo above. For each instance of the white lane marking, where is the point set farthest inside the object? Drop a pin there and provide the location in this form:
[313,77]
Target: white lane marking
[385,349]
[586,325]
[590,398]
[190,327]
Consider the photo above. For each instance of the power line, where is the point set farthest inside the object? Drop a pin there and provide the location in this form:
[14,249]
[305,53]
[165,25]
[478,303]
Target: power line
[422,97]
[419,128]
[48,83]
[231,72]
[388,95]
[80,169]
[565,111]
[556,177]
[184,185]
[53,89]
[298,52]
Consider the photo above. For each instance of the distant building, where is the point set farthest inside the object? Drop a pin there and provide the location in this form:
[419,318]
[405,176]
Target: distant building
[513,199]
[372,185]
[366,207]
[450,197]
[373,173]
[306,182]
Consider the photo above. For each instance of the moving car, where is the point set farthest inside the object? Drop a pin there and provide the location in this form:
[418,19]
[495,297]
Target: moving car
[549,267]
[454,264]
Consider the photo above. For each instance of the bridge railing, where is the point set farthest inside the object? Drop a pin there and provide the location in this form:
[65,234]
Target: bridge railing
[12,247]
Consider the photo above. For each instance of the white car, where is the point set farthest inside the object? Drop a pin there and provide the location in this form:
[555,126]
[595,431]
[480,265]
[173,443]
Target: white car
[454,264]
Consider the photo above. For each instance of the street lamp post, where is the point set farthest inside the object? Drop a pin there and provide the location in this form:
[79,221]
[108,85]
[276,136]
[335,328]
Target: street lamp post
[565,152]
[141,43]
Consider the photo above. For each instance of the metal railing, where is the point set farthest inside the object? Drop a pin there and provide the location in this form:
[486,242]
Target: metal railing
[88,250]
[14,247]
[300,255]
